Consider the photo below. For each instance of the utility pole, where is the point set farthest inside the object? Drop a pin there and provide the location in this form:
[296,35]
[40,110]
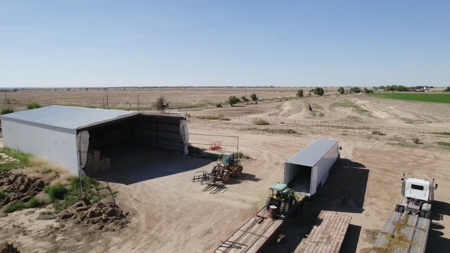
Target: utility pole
[138,102]
[6,100]
[107,104]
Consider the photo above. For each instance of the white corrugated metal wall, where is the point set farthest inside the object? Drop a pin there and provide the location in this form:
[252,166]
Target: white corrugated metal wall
[57,145]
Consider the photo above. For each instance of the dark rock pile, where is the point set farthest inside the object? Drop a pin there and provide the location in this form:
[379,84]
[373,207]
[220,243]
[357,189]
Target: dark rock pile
[102,216]
[19,187]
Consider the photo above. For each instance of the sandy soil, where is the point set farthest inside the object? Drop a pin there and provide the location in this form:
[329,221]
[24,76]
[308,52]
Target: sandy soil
[172,214]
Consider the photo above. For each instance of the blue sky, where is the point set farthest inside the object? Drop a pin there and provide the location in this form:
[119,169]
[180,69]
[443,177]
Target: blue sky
[232,43]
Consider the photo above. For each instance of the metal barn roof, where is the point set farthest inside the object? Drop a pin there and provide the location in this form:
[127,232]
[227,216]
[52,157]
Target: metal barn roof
[311,154]
[69,117]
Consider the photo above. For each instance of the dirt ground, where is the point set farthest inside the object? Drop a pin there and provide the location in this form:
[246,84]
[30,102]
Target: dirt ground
[172,214]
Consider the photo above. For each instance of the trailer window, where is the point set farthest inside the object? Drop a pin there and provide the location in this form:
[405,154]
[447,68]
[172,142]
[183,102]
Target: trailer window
[417,187]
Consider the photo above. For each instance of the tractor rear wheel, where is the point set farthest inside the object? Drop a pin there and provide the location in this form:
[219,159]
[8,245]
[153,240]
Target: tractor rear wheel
[284,208]
[238,171]
[225,177]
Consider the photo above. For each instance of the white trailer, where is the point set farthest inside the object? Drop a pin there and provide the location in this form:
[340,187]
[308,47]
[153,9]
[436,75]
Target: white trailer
[306,171]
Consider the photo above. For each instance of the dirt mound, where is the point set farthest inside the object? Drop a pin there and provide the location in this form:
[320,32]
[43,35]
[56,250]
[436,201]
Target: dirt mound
[306,111]
[291,107]
[101,216]
[19,187]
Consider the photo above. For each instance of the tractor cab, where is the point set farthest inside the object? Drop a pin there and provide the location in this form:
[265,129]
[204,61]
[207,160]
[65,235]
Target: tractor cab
[229,159]
[282,197]
[278,189]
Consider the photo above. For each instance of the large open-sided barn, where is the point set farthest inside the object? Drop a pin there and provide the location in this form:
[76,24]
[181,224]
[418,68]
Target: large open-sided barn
[63,135]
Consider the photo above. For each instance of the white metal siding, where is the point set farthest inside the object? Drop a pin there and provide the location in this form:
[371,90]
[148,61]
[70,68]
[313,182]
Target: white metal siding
[324,165]
[290,171]
[56,145]
[314,180]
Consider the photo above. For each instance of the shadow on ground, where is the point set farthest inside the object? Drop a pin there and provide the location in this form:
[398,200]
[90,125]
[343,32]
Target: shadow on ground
[436,240]
[131,164]
[345,189]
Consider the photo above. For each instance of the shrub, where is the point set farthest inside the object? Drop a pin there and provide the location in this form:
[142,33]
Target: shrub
[416,140]
[161,103]
[19,205]
[341,90]
[240,154]
[254,97]
[367,91]
[218,117]
[319,91]
[447,89]
[300,93]
[9,165]
[56,191]
[377,132]
[2,195]
[443,143]
[7,110]
[260,121]
[244,99]
[34,202]
[233,100]
[33,105]
[355,90]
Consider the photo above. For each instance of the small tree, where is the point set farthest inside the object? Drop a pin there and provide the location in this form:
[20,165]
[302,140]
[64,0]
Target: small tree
[233,100]
[367,91]
[244,99]
[447,89]
[33,105]
[319,91]
[300,93]
[161,103]
[254,97]
[341,90]
[355,90]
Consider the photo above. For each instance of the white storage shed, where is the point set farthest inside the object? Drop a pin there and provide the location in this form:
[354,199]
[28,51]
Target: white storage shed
[63,134]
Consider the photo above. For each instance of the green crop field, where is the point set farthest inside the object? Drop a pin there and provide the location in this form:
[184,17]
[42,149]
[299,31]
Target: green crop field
[424,97]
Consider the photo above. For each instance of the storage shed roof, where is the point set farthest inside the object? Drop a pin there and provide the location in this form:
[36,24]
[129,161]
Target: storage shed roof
[311,154]
[68,117]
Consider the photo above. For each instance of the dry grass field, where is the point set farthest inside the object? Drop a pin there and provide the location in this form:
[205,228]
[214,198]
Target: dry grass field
[172,214]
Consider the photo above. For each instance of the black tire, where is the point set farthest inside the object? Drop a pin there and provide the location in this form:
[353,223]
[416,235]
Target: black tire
[427,215]
[225,177]
[401,209]
[268,202]
[284,208]
[238,171]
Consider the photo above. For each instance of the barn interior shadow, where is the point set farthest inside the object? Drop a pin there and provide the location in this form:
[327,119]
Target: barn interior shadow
[345,188]
[131,164]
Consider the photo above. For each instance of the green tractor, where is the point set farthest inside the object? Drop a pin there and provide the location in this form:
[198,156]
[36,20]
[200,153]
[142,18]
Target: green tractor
[282,197]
